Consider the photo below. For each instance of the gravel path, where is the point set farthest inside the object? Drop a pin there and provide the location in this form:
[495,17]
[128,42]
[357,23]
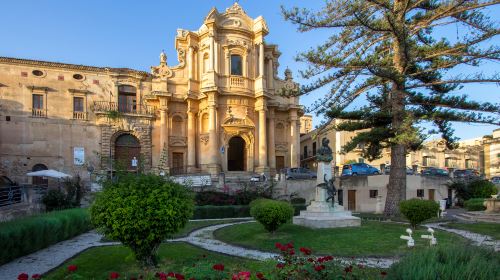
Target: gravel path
[476,238]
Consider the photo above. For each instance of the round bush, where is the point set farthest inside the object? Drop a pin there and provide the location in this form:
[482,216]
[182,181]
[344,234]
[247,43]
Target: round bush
[141,211]
[482,189]
[475,204]
[418,210]
[271,213]
[55,200]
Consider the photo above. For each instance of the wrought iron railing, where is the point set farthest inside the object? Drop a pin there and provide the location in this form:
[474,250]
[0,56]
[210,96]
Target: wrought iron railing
[11,195]
[126,108]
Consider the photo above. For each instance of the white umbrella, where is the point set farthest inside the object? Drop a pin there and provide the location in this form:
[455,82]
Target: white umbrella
[49,173]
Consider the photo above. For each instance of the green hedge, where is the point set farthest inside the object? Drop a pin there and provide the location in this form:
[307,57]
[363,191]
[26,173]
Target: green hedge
[474,204]
[418,210]
[230,211]
[26,235]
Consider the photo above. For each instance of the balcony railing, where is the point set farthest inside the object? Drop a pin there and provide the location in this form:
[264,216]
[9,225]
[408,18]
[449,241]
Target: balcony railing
[131,109]
[79,115]
[38,113]
[235,81]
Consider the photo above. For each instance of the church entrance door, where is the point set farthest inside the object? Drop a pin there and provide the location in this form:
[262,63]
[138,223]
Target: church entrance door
[236,154]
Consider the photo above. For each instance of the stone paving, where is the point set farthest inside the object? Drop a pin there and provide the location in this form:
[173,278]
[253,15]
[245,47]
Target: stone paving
[476,238]
[51,257]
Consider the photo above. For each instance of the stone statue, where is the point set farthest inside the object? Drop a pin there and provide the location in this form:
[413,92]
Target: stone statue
[324,152]
[163,57]
[329,186]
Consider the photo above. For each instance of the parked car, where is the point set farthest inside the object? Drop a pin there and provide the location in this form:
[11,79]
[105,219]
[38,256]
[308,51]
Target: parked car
[495,180]
[299,173]
[10,192]
[359,169]
[466,173]
[433,171]
[387,170]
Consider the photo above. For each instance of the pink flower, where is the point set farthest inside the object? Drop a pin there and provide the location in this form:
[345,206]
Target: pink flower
[72,268]
[243,275]
[23,276]
[114,275]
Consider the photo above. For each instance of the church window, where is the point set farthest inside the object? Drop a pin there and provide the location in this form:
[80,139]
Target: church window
[205,63]
[236,65]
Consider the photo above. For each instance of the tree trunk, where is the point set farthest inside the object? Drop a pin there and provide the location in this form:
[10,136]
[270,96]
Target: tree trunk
[396,189]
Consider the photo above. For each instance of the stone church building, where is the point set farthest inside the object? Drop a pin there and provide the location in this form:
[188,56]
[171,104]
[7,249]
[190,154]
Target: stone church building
[218,110]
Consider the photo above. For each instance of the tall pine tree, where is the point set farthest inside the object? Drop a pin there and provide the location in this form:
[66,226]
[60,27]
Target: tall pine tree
[391,52]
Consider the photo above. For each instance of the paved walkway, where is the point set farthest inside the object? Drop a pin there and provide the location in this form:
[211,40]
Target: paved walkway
[476,238]
[49,258]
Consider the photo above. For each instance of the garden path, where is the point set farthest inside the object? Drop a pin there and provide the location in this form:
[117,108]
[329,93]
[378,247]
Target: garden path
[51,257]
[476,238]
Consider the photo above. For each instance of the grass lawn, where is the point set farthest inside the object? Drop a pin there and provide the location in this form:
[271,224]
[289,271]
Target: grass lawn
[194,225]
[371,239]
[97,263]
[490,229]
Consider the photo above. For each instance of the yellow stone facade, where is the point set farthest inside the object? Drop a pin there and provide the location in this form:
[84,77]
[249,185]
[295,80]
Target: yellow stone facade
[219,109]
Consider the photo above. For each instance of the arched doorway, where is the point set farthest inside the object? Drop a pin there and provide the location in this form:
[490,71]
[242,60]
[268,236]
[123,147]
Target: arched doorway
[127,147]
[40,181]
[236,154]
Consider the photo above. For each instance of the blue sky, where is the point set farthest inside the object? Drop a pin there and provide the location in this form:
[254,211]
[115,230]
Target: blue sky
[133,33]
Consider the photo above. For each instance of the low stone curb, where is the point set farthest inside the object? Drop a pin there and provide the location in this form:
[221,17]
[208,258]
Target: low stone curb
[476,238]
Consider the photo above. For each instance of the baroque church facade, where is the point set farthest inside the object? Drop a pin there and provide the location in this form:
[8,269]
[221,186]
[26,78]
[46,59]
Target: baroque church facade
[218,110]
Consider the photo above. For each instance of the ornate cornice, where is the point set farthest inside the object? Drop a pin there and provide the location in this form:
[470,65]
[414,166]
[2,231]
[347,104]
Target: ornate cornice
[67,66]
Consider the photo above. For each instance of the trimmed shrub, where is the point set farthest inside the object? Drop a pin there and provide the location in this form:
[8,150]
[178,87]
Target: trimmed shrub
[418,210]
[26,235]
[448,262]
[141,211]
[55,200]
[482,189]
[271,213]
[475,204]
[231,211]
[214,198]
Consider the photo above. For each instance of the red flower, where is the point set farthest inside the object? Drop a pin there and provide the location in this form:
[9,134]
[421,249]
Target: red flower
[305,251]
[72,268]
[277,245]
[114,275]
[310,260]
[280,265]
[218,267]
[290,245]
[383,273]
[161,275]
[348,269]
[36,276]
[179,276]
[243,275]
[292,252]
[319,267]
[23,276]
[260,275]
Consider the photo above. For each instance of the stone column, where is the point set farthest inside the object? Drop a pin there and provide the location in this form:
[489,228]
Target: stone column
[163,123]
[212,53]
[212,134]
[261,109]
[271,146]
[270,75]
[294,140]
[261,59]
[190,64]
[191,138]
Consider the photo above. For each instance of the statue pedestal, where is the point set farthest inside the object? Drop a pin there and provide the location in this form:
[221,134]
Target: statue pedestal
[320,213]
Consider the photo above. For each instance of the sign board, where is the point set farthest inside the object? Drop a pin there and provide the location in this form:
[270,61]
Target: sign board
[134,162]
[222,149]
[78,155]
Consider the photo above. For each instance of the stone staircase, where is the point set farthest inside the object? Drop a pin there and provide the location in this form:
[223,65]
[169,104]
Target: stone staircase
[479,216]
[238,179]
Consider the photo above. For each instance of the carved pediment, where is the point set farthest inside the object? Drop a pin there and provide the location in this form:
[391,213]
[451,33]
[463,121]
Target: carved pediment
[237,122]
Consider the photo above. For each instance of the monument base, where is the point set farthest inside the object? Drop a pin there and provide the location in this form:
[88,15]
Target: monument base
[322,215]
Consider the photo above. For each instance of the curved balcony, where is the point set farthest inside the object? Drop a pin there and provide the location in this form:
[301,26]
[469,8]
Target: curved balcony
[103,107]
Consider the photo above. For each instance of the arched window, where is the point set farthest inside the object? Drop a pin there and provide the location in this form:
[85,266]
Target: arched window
[127,99]
[177,126]
[39,181]
[236,65]
[205,63]
[204,123]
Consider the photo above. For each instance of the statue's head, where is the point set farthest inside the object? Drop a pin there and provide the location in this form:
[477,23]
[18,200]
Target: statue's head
[325,141]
